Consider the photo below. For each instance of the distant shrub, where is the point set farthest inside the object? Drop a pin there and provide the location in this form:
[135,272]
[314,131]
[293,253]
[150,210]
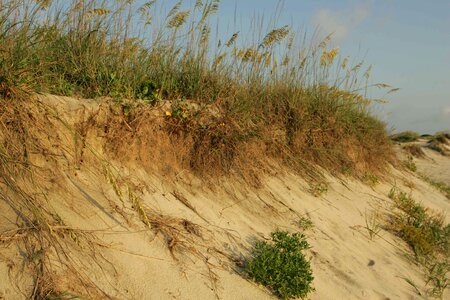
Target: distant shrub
[281,265]
[440,142]
[426,136]
[405,137]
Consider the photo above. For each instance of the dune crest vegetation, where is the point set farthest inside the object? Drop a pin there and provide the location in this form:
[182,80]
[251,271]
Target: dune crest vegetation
[290,96]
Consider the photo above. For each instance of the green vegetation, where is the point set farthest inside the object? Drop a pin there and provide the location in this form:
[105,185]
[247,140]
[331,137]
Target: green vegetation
[405,137]
[427,235]
[370,179]
[410,164]
[305,223]
[281,265]
[318,189]
[299,99]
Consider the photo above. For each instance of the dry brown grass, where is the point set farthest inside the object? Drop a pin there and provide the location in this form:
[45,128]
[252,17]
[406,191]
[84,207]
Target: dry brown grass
[171,138]
[440,142]
[303,103]
[54,254]
[415,150]
[57,255]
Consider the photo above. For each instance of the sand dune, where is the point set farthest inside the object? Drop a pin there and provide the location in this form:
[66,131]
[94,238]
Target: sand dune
[134,233]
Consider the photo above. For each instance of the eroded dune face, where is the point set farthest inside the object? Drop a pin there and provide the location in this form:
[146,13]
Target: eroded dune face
[114,218]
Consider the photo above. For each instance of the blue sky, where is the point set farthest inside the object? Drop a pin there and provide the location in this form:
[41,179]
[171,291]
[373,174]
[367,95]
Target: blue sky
[406,41]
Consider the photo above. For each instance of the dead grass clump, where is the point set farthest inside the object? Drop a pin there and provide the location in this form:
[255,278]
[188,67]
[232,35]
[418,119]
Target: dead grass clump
[29,143]
[440,142]
[414,150]
[168,139]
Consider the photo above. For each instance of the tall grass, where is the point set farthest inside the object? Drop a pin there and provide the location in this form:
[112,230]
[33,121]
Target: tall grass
[282,82]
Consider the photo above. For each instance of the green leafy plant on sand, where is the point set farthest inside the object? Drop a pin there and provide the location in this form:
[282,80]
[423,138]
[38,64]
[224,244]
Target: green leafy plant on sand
[427,235]
[305,223]
[318,189]
[281,266]
[370,179]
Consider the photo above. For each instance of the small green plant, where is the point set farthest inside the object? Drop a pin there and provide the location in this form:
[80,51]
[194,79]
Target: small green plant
[281,266]
[305,223]
[410,164]
[318,189]
[437,277]
[370,179]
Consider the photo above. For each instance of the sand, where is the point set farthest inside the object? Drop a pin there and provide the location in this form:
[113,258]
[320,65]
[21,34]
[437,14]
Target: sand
[200,233]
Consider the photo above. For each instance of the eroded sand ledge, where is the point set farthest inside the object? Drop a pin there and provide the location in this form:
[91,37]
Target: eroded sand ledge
[136,233]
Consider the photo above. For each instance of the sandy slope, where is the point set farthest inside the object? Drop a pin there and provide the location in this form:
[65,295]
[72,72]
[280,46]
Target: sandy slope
[200,233]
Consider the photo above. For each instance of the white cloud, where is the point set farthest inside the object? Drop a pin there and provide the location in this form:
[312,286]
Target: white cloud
[342,22]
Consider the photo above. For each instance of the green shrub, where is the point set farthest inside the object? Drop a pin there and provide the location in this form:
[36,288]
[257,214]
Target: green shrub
[281,265]
[405,137]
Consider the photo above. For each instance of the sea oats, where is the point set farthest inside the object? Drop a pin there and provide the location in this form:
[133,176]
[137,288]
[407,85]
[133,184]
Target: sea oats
[275,36]
[178,19]
[232,39]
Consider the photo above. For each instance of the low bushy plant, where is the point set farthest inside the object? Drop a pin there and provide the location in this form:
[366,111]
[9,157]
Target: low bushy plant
[427,235]
[405,137]
[424,231]
[281,266]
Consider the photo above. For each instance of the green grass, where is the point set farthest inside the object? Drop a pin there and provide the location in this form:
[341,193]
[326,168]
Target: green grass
[410,164]
[282,81]
[281,265]
[428,236]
